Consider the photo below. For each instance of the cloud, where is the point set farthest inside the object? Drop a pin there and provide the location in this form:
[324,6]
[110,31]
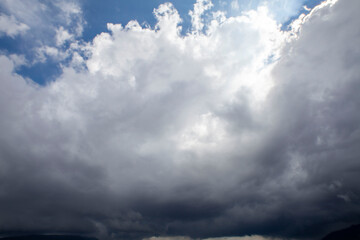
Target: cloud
[283,11]
[241,129]
[196,15]
[62,36]
[11,27]
[168,238]
[235,5]
[220,238]
[49,29]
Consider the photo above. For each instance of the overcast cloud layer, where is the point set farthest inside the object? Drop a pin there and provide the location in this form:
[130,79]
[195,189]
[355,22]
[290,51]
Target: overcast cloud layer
[235,129]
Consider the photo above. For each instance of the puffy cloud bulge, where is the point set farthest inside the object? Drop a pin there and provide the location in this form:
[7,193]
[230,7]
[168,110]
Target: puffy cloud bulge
[236,128]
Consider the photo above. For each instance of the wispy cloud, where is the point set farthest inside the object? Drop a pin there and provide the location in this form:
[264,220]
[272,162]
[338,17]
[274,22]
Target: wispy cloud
[11,27]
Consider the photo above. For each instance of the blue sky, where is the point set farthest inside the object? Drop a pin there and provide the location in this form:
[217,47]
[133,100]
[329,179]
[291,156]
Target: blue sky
[100,13]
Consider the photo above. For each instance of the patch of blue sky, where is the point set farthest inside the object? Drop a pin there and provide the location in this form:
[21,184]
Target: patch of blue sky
[283,11]
[99,13]
[41,73]
[309,4]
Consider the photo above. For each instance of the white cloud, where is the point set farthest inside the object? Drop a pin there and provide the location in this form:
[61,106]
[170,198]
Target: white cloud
[11,27]
[18,60]
[62,36]
[235,5]
[196,15]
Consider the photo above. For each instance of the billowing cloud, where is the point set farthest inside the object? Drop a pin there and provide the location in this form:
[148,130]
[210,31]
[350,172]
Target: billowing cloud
[234,129]
[10,26]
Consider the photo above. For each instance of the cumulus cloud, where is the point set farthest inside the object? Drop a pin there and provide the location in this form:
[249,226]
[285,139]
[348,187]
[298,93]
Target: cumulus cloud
[240,129]
[196,15]
[11,27]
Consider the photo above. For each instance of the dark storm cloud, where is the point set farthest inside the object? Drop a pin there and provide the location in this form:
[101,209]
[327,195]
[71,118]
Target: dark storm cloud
[161,136]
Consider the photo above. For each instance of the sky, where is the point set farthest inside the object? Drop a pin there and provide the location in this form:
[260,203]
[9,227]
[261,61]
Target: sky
[180,120]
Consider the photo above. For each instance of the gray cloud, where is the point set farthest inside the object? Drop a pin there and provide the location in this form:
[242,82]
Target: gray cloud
[168,135]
